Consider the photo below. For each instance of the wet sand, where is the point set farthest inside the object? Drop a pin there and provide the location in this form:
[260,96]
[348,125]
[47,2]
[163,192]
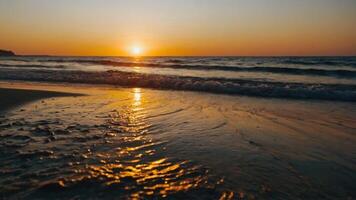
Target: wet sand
[133,143]
[11,98]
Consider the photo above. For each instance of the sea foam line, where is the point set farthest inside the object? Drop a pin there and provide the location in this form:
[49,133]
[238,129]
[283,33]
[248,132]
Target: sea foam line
[338,92]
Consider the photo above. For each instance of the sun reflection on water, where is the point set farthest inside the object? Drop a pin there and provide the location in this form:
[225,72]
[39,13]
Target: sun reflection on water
[137,69]
[137,96]
[131,162]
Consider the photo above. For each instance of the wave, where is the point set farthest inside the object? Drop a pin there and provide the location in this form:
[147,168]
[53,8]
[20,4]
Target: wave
[349,61]
[314,61]
[277,70]
[337,92]
[33,66]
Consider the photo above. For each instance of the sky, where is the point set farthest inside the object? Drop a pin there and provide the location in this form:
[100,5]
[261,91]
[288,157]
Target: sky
[179,28]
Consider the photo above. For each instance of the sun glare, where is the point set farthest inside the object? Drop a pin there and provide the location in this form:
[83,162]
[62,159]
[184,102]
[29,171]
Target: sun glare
[136,51]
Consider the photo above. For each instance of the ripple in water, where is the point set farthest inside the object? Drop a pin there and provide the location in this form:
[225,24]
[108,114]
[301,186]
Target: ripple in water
[147,144]
[93,148]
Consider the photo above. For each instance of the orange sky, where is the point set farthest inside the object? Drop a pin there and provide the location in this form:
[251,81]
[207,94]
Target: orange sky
[174,27]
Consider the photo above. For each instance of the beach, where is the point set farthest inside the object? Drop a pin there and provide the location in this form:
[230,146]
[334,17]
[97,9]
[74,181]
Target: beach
[191,100]
[143,143]
[11,97]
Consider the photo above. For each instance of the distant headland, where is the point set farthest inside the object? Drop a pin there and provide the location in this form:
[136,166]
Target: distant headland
[6,53]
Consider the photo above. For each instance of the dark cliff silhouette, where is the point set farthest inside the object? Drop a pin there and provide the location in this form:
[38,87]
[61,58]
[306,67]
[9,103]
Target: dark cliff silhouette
[6,53]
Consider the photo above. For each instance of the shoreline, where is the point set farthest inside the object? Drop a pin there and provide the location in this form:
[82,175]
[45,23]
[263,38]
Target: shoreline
[113,138]
[12,97]
[250,88]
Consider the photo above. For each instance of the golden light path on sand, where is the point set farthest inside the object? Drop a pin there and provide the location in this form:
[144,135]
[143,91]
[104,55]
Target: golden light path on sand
[135,143]
[135,167]
[137,97]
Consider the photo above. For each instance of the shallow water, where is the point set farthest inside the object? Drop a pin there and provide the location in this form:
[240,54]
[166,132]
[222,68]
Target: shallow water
[141,143]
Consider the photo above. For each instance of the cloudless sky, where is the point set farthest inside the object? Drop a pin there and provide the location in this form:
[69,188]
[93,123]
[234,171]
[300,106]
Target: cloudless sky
[178,27]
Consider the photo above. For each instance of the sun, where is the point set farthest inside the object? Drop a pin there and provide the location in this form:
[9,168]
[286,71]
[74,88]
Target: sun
[136,50]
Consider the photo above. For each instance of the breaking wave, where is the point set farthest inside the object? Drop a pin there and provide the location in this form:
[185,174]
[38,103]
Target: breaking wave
[280,70]
[338,92]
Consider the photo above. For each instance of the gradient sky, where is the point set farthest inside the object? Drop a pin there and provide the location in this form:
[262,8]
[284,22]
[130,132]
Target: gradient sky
[178,27]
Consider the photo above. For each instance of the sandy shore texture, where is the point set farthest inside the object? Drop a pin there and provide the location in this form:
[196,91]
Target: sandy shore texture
[12,98]
[136,143]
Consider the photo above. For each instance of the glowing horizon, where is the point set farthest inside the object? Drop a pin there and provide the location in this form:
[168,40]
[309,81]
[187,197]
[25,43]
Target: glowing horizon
[174,28]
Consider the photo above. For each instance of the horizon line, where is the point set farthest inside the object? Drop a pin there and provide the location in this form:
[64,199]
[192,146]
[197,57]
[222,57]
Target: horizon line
[127,56]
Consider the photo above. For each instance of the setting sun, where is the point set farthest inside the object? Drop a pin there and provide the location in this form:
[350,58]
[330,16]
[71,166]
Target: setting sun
[172,99]
[136,51]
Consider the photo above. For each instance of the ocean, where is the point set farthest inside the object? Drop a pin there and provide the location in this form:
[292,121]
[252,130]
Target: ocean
[320,78]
